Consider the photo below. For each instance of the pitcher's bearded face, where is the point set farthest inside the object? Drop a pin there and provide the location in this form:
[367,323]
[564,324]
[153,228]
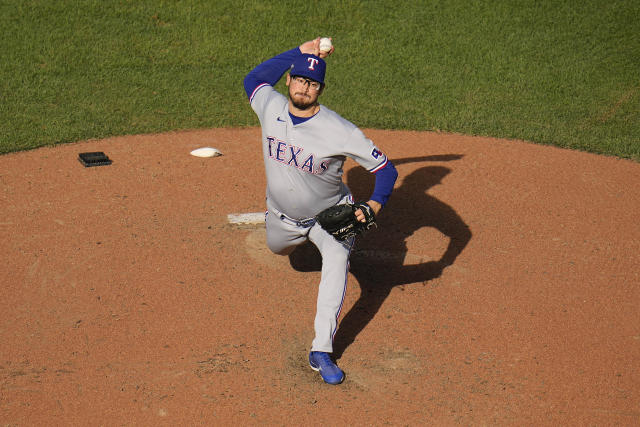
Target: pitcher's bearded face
[302,95]
[302,101]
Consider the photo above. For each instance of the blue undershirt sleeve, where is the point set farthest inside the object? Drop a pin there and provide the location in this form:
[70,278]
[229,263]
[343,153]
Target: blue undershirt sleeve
[270,71]
[385,180]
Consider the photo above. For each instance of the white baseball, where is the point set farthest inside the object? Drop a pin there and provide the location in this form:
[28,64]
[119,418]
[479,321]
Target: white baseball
[325,44]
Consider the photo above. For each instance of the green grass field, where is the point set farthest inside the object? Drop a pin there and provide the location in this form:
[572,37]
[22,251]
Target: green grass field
[564,73]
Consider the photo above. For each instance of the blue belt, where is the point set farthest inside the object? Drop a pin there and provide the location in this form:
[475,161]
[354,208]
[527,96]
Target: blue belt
[305,223]
[298,223]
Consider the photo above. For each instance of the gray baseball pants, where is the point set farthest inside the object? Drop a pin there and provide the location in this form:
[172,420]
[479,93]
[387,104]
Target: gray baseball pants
[283,235]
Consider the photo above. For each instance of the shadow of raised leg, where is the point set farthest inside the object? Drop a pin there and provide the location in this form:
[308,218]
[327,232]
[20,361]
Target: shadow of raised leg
[411,208]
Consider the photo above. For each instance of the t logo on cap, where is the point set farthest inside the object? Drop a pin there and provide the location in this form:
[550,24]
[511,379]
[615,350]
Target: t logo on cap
[309,66]
[312,62]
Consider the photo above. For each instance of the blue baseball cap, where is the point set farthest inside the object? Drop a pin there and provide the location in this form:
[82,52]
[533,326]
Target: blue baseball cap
[310,66]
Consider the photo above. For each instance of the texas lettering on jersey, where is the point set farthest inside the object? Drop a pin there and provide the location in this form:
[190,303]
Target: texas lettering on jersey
[293,156]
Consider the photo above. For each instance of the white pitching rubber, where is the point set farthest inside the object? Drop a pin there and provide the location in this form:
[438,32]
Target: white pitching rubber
[246,218]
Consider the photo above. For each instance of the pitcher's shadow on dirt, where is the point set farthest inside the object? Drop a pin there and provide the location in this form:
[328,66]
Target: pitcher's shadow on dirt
[378,258]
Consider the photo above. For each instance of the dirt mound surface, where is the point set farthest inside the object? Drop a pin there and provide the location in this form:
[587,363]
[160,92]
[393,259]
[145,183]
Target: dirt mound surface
[502,287]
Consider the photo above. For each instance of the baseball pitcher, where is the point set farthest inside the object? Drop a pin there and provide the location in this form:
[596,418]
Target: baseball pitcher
[305,145]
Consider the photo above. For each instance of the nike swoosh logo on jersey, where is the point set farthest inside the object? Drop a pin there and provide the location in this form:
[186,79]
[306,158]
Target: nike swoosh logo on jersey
[280,120]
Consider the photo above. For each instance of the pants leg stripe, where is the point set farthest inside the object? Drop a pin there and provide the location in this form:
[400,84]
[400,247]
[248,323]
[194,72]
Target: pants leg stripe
[344,292]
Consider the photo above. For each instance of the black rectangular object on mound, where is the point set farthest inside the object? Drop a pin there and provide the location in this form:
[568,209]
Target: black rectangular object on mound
[94,159]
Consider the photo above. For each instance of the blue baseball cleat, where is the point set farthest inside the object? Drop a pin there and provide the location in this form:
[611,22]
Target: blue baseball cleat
[320,361]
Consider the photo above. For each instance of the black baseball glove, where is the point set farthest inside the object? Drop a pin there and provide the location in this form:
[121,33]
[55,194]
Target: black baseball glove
[340,220]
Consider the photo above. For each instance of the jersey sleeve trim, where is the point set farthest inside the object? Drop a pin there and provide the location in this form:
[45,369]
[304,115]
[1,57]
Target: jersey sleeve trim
[380,166]
[256,90]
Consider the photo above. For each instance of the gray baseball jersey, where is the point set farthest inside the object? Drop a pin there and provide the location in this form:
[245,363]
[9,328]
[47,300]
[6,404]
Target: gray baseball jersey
[304,162]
